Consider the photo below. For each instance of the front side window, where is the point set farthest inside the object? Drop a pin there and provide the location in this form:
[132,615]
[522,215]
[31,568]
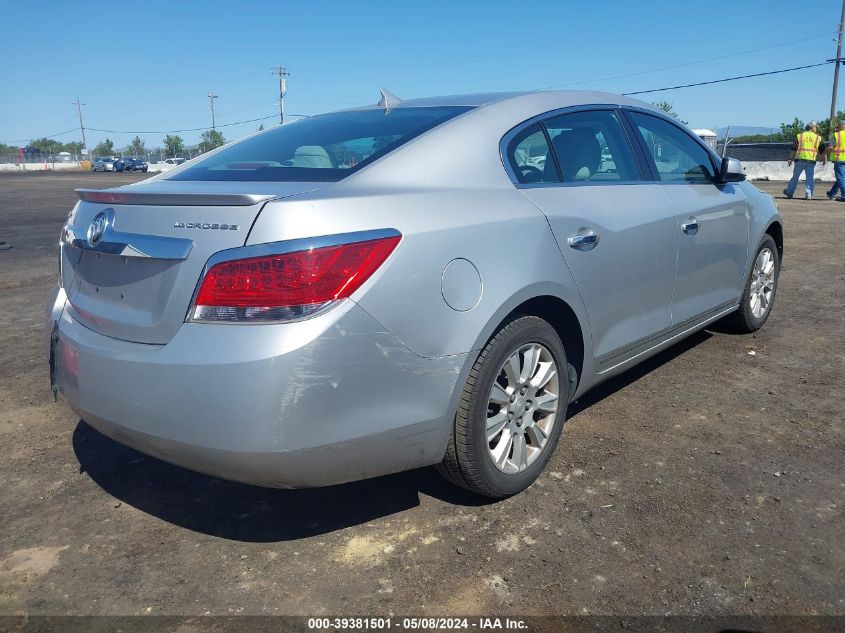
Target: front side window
[677,156]
[322,148]
[591,146]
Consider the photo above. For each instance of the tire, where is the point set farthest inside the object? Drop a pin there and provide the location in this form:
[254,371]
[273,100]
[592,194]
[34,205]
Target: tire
[470,459]
[748,317]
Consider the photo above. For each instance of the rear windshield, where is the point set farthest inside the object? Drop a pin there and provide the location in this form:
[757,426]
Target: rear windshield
[323,148]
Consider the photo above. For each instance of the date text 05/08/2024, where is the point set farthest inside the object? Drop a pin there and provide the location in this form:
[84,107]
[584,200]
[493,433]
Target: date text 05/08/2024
[415,623]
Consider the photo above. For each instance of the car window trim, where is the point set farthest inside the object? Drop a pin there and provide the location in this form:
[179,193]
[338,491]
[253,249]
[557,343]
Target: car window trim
[633,146]
[647,167]
[526,131]
[553,153]
[652,166]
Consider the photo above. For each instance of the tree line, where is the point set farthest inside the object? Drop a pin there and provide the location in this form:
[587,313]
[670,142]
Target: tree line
[45,146]
[172,145]
[788,131]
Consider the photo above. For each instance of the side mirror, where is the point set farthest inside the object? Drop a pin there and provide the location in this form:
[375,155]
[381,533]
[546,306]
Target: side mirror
[731,170]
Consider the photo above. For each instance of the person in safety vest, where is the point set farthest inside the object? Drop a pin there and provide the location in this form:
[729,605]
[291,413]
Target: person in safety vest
[836,154]
[804,153]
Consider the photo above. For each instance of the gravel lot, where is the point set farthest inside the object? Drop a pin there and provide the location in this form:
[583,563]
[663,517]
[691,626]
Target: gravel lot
[707,481]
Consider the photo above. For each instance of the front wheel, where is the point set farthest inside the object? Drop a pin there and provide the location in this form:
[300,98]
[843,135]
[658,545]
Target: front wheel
[511,411]
[760,288]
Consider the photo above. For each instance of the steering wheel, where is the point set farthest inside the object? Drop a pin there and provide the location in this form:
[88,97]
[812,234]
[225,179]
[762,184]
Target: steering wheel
[530,173]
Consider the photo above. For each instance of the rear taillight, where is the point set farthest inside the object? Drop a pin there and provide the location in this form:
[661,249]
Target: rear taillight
[287,285]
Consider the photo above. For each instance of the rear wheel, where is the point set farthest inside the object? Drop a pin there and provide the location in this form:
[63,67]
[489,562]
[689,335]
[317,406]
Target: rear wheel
[759,292]
[511,411]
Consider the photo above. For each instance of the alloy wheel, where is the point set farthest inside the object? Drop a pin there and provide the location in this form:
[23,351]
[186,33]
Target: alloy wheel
[522,408]
[762,283]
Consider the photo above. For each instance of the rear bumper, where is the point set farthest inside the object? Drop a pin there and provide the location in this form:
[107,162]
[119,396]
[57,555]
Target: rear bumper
[322,401]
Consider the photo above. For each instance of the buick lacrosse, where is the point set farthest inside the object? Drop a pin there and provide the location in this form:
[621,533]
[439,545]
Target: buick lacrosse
[418,282]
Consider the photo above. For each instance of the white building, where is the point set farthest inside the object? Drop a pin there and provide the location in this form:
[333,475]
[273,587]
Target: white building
[708,136]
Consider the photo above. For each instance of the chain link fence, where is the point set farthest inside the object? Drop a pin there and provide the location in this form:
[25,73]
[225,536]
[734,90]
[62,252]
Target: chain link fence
[29,160]
[757,151]
[32,158]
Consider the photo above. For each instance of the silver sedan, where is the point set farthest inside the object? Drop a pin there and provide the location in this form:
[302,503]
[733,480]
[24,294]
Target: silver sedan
[102,163]
[406,284]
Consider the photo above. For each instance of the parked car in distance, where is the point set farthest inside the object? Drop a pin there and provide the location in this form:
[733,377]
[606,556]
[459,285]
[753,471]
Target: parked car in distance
[102,163]
[135,164]
[170,163]
[278,314]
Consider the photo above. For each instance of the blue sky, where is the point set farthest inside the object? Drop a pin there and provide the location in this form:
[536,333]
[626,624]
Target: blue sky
[149,65]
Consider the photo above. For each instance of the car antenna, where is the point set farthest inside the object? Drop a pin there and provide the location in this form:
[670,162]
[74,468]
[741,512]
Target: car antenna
[388,100]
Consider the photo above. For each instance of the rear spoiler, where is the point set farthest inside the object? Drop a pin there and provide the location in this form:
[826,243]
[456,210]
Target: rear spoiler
[107,196]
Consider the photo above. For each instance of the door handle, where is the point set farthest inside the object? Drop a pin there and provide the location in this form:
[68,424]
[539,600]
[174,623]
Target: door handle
[691,226]
[583,242]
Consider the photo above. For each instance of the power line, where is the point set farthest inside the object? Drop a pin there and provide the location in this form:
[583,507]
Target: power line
[355,103]
[193,129]
[27,140]
[719,81]
[692,63]
[273,116]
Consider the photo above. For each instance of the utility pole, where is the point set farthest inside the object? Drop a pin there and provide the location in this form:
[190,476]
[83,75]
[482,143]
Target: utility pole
[212,97]
[81,126]
[283,74]
[837,63]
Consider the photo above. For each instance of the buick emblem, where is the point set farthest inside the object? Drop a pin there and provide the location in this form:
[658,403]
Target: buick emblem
[96,229]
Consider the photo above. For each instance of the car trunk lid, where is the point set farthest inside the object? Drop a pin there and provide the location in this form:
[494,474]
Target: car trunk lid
[133,256]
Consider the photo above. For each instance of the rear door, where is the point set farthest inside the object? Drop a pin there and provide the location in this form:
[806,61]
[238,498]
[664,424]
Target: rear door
[712,218]
[616,231]
[131,261]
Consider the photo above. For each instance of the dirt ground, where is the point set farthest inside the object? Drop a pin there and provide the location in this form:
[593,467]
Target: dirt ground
[709,480]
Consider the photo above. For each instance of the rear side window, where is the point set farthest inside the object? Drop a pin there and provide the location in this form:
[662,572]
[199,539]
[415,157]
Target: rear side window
[592,146]
[530,158]
[677,156]
[321,148]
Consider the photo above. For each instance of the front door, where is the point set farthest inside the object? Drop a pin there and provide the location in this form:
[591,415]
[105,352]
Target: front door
[712,219]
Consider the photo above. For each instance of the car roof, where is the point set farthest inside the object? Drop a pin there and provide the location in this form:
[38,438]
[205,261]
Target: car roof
[472,99]
[526,99]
